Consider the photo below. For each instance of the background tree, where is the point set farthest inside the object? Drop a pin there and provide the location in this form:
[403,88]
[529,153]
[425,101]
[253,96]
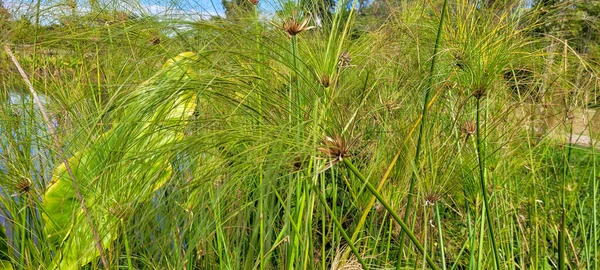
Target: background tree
[4,14]
[320,9]
[235,8]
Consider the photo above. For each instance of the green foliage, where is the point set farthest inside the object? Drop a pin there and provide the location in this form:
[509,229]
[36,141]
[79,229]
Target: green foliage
[321,9]
[236,8]
[110,173]
[291,141]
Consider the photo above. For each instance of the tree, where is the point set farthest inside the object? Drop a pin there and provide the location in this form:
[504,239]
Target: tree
[320,9]
[584,30]
[4,14]
[235,8]
[576,21]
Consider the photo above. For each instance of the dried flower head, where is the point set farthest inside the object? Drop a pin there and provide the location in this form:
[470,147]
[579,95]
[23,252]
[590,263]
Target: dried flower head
[335,147]
[345,60]
[480,92]
[122,16]
[469,127]
[294,26]
[254,2]
[570,115]
[325,80]
[460,60]
[154,40]
[483,85]
[24,186]
[431,198]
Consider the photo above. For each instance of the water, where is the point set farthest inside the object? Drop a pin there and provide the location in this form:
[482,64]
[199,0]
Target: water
[23,137]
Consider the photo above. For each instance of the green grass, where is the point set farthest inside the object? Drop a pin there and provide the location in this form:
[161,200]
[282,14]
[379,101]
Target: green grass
[427,135]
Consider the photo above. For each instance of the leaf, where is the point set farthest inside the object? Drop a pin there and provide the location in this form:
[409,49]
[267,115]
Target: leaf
[122,168]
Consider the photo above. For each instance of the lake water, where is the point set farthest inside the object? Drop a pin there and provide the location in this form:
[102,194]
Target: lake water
[21,125]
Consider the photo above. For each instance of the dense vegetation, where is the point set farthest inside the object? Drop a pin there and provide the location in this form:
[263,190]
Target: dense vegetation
[443,134]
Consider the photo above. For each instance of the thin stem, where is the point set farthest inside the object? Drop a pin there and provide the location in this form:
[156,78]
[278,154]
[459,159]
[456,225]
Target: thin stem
[471,237]
[261,200]
[127,248]
[389,209]
[566,156]
[482,174]
[294,95]
[439,225]
[342,231]
[421,130]
[595,203]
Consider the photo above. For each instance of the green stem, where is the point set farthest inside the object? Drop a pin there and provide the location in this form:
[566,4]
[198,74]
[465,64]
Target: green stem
[127,248]
[421,130]
[261,215]
[23,233]
[594,207]
[471,237]
[439,225]
[562,225]
[342,231]
[561,241]
[481,236]
[482,174]
[389,209]
[294,96]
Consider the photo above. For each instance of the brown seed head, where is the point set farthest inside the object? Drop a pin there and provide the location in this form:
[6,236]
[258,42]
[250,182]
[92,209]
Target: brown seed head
[482,86]
[345,60]
[122,16]
[432,198]
[293,26]
[254,2]
[469,127]
[154,40]
[570,115]
[24,186]
[325,80]
[460,62]
[480,92]
[335,147]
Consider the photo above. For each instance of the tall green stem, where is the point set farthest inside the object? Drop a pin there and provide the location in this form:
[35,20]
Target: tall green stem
[294,96]
[481,155]
[594,207]
[421,130]
[294,230]
[389,209]
[261,199]
[471,236]
[342,231]
[439,225]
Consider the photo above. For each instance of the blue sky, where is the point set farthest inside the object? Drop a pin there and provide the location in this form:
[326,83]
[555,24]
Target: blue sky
[208,6]
[192,9]
[204,8]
